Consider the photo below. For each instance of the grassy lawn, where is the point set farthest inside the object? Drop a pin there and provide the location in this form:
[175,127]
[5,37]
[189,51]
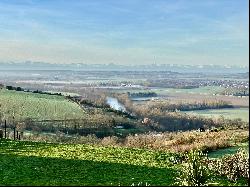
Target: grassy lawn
[33,163]
[37,106]
[59,171]
[27,163]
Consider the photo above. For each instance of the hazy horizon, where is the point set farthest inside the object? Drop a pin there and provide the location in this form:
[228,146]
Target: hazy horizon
[125,32]
[27,62]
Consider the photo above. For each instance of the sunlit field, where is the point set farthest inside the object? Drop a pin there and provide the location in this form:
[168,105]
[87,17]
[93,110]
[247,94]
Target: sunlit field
[24,105]
[33,163]
[230,113]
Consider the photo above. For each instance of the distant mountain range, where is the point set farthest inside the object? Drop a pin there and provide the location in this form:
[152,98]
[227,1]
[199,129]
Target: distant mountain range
[115,67]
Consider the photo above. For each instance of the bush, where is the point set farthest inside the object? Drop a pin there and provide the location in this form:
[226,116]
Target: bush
[10,87]
[110,141]
[232,166]
[195,170]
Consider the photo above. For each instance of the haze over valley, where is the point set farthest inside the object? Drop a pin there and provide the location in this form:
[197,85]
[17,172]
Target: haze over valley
[124,93]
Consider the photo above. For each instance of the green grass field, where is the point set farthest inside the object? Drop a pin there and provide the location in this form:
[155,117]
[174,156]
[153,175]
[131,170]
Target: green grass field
[229,113]
[229,150]
[37,106]
[33,163]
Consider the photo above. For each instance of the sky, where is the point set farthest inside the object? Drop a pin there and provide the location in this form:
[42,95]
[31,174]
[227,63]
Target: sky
[190,32]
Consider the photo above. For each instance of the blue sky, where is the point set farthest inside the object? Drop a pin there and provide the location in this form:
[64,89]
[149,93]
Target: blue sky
[125,31]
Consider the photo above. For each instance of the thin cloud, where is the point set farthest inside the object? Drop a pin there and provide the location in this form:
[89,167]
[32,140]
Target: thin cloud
[125,31]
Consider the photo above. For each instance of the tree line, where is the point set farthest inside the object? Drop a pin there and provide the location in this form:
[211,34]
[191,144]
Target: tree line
[34,91]
[168,119]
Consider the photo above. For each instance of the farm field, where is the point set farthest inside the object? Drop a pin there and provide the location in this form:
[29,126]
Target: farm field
[230,113]
[234,100]
[190,95]
[37,106]
[68,164]
[206,90]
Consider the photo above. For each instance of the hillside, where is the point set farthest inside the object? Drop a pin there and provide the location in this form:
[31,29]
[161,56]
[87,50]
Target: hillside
[42,112]
[37,106]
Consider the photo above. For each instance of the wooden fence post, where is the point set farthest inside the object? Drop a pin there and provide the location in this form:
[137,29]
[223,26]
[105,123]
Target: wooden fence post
[5,127]
[14,133]
[1,134]
[21,134]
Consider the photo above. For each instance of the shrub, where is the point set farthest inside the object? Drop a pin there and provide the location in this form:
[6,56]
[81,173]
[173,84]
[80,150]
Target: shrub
[232,166]
[109,141]
[195,170]
[10,88]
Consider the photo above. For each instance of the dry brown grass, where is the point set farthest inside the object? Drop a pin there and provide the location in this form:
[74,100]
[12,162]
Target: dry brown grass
[186,141]
[168,141]
[110,141]
[182,97]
